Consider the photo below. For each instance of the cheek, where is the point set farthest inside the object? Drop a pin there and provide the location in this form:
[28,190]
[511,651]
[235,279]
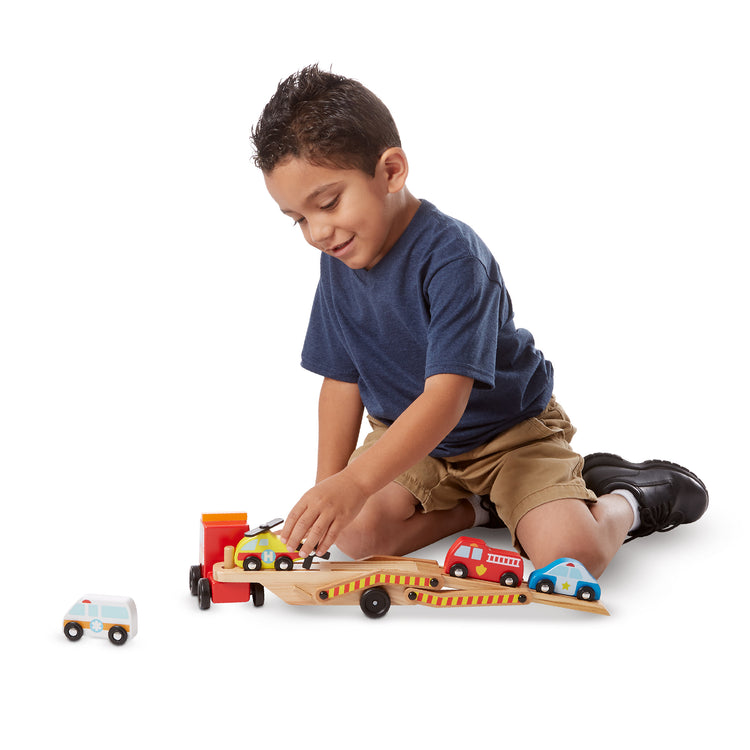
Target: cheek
[356,219]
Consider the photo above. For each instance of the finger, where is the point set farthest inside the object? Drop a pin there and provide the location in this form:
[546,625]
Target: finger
[328,539]
[291,521]
[301,529]
[314,535]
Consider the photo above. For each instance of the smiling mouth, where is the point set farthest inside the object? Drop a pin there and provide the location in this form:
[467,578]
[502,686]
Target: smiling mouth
[339,248]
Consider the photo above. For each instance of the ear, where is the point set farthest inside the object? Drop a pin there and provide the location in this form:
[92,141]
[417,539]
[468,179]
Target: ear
[395,168]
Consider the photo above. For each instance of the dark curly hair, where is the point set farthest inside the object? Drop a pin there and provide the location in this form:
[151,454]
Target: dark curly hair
[326,119]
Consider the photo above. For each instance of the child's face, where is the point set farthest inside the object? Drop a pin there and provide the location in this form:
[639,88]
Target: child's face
[345,213]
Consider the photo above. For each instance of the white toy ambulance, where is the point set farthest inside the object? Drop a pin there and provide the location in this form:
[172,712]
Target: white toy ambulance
[112,617]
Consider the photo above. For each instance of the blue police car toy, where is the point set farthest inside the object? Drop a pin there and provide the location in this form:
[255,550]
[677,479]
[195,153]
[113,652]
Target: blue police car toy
[566,576]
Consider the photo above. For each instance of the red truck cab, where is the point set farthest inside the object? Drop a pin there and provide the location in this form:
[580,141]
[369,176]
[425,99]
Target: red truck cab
[218,530]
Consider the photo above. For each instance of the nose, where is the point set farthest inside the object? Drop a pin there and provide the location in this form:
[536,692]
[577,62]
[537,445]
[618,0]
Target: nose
[319,231]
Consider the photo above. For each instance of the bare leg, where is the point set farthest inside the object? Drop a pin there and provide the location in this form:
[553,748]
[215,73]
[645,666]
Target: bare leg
[389,524]
[591,534]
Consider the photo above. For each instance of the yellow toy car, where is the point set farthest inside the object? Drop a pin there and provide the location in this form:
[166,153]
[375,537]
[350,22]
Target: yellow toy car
[262,549]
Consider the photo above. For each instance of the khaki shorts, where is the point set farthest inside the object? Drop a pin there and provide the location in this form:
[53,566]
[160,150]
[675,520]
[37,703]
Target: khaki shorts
[526,466]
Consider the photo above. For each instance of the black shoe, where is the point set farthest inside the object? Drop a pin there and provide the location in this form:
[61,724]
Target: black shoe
[667,494]
[495,521]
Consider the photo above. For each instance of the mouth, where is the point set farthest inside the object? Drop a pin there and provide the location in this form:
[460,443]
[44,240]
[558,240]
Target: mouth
[337,250]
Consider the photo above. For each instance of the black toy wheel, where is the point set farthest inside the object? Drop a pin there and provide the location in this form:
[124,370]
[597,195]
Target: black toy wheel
[509,579]
[117,635]
[459,570]
[251,563]
[375,602]
[283,563]
[195,576]
[545,586]
[258,594]
[586,594]
[204,593]
[73,631]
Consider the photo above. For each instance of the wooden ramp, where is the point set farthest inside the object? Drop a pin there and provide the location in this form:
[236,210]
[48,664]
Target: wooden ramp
[406,580]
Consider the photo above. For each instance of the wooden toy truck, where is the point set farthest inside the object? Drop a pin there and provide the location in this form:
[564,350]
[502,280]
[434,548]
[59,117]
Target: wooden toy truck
[374,583]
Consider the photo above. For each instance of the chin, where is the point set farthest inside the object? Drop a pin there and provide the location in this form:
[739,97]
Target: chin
[354,265]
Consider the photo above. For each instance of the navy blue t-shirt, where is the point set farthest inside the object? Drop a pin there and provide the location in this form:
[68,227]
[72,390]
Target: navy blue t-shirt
[434,304]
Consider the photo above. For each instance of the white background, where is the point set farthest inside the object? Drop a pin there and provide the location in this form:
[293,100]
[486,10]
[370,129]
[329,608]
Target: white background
[152,307]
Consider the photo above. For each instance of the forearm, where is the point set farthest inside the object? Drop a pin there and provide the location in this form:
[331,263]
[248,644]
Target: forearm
[339,419]
[417,432]
[334,502]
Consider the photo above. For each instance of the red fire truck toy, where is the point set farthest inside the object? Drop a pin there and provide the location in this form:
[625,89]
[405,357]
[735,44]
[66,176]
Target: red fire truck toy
[472,558]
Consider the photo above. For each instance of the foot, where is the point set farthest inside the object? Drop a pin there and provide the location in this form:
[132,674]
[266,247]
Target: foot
[667,494]
[495,521]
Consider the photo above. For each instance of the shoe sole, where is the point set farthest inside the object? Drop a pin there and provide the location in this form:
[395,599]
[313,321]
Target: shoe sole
[605,459]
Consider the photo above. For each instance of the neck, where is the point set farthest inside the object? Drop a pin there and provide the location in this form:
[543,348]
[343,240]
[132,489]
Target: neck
[406,206]
[402,209]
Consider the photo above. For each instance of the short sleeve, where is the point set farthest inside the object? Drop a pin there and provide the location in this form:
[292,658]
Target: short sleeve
[465,307]
[324,352]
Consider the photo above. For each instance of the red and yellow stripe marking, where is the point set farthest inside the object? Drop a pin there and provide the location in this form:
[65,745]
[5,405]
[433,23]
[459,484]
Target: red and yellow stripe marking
[464,600]
[374,580]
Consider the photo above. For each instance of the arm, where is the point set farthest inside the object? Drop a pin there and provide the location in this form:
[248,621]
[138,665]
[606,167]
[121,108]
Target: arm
[334,502]
[339,419]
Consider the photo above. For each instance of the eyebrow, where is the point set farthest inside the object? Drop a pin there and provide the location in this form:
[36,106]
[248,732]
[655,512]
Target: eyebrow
[315,193]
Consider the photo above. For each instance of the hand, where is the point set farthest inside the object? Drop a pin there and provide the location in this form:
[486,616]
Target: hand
[321,514]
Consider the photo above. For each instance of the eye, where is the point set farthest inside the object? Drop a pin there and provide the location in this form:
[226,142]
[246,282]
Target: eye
[301,220]
[330,206]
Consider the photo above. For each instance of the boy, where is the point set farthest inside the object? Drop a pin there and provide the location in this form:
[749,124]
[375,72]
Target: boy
[412,322]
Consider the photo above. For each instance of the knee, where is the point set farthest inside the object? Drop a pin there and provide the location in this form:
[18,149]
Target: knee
[547,537]
[360,539]
[372,531]
[584,548]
